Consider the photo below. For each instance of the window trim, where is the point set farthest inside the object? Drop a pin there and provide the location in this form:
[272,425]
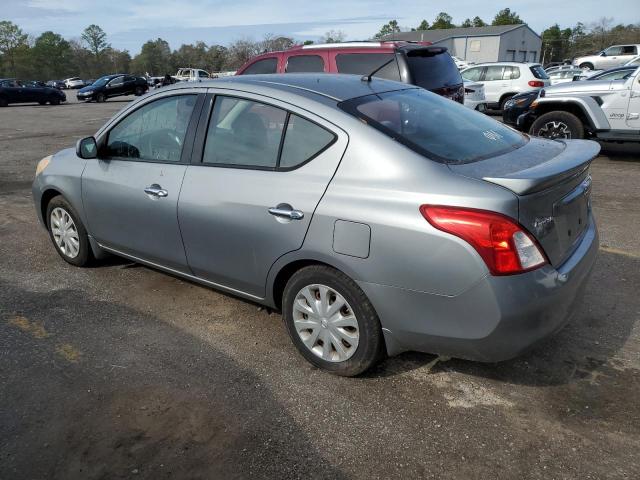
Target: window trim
[189,136]
[205,120]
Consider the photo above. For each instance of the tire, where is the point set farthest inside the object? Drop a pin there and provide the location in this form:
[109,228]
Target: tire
[101,97]
[358,335]
[42,102]
[76,252]
[3,102]
[586,66]
[504,100]
[139,91]
[54,101]
[558,125]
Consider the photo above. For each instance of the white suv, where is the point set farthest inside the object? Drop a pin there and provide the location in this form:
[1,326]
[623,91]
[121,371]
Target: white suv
[611,57]
[502,80]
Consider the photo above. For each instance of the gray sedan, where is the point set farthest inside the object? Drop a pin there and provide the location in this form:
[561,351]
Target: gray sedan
[378,217]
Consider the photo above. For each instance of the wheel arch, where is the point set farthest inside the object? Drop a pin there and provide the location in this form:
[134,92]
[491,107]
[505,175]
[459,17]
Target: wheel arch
[581,108]
[46,197]
[505,95]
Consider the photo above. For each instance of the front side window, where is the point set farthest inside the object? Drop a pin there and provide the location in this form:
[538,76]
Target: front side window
[244,133]
[434,126]
[266,65]
[472,74]
[154,132]
[365,63]
[613,51]
[116,81]
[305,63]
[303,140]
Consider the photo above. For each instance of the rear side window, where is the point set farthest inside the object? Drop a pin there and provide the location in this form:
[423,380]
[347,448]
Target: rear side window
[432,71]
[244,133]
[629,50]
[539,72]
[365,63]
[472,74]
[511,73]
[303,140]
[305,63]
[493,73]
[266,65]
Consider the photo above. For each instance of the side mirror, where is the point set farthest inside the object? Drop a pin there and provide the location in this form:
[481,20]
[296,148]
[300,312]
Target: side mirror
[87,148]
[603,54]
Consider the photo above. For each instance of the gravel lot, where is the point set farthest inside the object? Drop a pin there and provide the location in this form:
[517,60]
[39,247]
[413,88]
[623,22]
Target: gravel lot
[120,371]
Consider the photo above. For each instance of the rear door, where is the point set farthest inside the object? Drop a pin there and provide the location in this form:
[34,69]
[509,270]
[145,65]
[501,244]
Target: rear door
[258,171]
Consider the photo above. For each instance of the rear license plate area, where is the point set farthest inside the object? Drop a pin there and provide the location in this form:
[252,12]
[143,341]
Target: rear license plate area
[571,213]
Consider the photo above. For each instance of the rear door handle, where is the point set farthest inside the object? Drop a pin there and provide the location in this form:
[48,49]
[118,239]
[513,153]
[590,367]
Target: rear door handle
[156,191]
[284,212]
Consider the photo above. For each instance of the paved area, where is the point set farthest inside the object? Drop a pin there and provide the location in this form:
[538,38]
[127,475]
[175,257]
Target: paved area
[119,371]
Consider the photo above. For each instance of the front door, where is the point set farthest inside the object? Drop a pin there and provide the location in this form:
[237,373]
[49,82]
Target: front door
[130,193]
[258,173]
[115,86]
[494,83]
[633,112]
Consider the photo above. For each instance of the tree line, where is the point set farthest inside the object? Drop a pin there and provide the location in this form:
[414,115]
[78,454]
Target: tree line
[50,56]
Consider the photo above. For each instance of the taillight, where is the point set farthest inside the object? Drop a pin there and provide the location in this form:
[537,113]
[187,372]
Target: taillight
[536,83]
[504,245]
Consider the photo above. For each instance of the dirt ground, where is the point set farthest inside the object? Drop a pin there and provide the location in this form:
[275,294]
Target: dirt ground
[120,371]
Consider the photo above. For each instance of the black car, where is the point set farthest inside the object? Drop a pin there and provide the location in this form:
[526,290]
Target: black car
[517,105]
[17,91]
[113,86]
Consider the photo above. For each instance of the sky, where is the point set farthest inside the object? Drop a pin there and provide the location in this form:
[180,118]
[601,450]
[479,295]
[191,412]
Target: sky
[129,23]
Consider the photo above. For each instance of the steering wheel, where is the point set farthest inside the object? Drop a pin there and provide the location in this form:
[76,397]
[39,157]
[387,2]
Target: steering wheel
[162,144]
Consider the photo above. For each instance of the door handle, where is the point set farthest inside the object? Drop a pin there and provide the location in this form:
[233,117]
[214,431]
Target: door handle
[286,213]
[156,190]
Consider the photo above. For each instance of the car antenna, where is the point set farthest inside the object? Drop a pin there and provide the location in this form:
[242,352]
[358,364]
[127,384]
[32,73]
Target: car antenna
[367,78]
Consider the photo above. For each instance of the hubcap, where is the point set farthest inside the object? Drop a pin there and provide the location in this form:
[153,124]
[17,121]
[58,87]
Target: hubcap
[325,323]
[65,233]
[555,130]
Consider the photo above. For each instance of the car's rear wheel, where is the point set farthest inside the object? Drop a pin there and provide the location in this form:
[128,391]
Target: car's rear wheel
[331,321]
[139,91]
[101,97]
[558,125]
[3,102]
[68,233]
[504,100]
[42,102]
[54,101]
[586,66]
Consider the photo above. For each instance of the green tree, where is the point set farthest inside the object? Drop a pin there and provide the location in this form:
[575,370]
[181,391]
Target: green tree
[424,25]
[96,39]
[388,29]
[154,58]
[478,22]
[556,43]
[506,17]
[443,20]
[333,36]
[53,56]
[467,23]
[13,43]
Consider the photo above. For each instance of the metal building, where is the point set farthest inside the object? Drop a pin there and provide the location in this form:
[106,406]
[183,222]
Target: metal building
[501,43]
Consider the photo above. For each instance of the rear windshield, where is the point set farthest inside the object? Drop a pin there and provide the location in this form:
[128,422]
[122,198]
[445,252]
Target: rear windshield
[434,126]
[432,71]
[539,72]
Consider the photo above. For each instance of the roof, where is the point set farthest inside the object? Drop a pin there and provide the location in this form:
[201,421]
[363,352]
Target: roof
[439,35]
[337,87]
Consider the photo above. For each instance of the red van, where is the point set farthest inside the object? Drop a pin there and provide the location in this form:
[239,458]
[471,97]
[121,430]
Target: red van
[416,63]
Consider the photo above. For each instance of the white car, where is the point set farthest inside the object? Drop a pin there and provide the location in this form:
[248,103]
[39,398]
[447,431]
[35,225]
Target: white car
[503,80]
[191,75]
[613,56]
[474,96]
[564,75]
[634,61]
[461,64]
[73,82]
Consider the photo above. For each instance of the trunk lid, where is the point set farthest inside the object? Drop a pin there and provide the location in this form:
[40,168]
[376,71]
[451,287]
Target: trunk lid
[552,182]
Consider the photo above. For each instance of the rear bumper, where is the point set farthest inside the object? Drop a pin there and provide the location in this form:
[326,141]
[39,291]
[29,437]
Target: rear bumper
[497,319]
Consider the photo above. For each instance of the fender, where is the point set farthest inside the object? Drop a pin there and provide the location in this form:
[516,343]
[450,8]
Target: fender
[589,107]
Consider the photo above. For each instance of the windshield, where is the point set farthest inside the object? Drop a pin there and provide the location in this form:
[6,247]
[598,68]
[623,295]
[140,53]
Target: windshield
[101,81]
[435,127]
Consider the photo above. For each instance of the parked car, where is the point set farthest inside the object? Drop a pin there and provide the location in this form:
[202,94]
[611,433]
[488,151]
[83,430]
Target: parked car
[607,110]
[562,66]
[419,64]
[564,75]
[503,80]
[551,66]
[378,217]
[191,75]
[518,105]
[611,57]
[113,86]
[18,91]
[59,84]
[474,96]
[634,61]
[73,82]
[617,73]
[461,64]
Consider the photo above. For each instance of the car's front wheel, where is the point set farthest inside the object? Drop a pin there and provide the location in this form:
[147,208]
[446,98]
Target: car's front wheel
[558,125]
[139,91]
[331,321]
[68,233]
[101,97]
[586,66]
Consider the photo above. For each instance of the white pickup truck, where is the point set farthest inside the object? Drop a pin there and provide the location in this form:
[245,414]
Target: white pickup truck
[191,75]
[606,110]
